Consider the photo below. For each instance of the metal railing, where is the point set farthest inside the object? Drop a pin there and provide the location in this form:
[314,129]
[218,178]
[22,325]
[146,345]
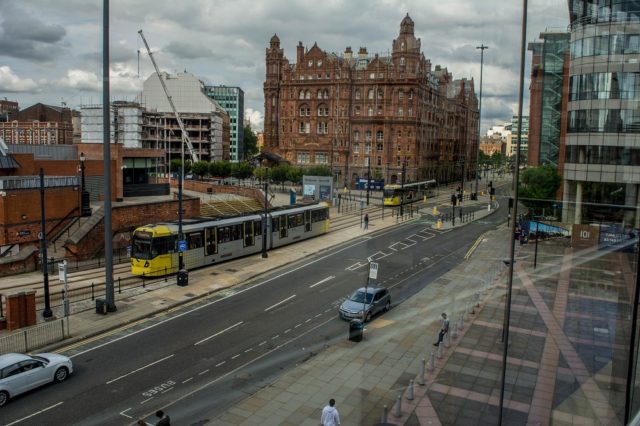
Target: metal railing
[34,337]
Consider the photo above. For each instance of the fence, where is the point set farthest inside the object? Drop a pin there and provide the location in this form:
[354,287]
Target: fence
[34,337]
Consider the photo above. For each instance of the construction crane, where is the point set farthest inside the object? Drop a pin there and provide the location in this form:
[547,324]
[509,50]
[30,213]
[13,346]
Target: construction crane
[185,135]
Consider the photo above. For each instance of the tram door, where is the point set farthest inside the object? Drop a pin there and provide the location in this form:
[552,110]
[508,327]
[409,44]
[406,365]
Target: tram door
[248,233]
[307,221]
[211,241]
[283,226]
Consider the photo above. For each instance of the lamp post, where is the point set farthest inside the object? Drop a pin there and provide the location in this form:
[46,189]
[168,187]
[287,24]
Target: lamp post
[482,47]
[368,178]
[85,207]
[265,226]
[43,246]
[404,172]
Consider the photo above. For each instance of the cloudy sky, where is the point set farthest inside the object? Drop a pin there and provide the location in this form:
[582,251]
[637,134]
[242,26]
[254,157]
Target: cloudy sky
[51,51]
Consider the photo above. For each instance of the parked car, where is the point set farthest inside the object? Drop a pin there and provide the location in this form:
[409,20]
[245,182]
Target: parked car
[377,300]
[20,373]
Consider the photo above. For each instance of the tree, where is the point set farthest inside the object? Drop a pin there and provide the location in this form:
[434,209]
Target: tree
[538,187]
[241,170]
[318,171]
[250,142]
[200,168]
[176,164]
[220,169]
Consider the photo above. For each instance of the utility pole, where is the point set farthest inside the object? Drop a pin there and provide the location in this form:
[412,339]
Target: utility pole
[404,171]
[43,246]
[265,227]
[368,178]
[482,47]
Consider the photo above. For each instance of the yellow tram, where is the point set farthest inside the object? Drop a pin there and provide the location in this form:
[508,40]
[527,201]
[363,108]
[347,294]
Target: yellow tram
[395,194]
[154,250]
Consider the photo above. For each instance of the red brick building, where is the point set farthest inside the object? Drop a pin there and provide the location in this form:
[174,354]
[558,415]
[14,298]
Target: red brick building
[39,124]
[350,112]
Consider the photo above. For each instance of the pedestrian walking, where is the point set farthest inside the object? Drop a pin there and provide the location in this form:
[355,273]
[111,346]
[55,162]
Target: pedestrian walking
[366,221]
[444,329]
[330,416]
[164,419]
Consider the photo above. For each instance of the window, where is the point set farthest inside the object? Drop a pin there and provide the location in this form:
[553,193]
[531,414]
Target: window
[367,136]
[322,158]
[367,148]
[357,94]
[356,147]
[400,112]
[319,62]
[310,63]
[323,110]
[380,94]
[370,111]
[303,157]
[410,94]
[301,95]
[410,111]
[356,110]
[380,146]
[400,94]
[370,94]
[379,136]
[307,94]
[372,75]
[402,63]
[356,136]
[322,127]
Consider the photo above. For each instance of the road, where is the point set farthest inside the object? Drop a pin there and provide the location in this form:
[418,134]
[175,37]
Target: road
[200,359]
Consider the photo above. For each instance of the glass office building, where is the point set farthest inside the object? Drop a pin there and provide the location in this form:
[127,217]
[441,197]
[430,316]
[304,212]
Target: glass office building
[231,99]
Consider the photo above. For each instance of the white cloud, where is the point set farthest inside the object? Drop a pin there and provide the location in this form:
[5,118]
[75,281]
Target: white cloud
[10,82]
[81,80]
[255,117]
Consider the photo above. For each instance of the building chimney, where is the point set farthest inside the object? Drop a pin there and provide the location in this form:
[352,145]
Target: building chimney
[362,53]
[300,52]
[348,54]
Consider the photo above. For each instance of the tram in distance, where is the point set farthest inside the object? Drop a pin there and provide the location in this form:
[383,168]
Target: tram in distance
[154,250]
[414,191]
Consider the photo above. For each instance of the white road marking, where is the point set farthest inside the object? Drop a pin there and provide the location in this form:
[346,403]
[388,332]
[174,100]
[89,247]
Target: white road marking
[203,372]
[235,356]
[287,330]
[275,337]
[248,350]
[308,319]
[297,325]
[221,363]
[280,302]
[262,343]
[34,414]
[218,333]
[139,369]
[146,400]
[122,413]
[329,278]
[188,380]
[167,390]
[318,316]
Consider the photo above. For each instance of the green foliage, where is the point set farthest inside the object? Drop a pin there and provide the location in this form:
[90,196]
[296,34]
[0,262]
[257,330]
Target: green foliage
[322,170]
[261,173]
[279,174]
[250,142]
[538,187]
[295,174]
[377,174]
[176,164]
[200,168]
[220,169]
[241,170]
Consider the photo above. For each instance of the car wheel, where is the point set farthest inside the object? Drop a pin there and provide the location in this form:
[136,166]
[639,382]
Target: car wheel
[61,375]
[368,317]
[387,306]
[4,398]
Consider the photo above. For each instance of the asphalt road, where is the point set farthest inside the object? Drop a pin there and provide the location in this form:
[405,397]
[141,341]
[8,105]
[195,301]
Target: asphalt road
[198,360]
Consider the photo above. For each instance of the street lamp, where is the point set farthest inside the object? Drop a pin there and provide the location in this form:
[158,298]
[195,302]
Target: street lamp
[85,204]
[404,172]
[482,47]
[368,177]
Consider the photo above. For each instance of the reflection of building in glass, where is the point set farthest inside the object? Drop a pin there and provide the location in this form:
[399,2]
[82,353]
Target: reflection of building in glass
[602,160]
[512,142]
[549,68]
[231,99]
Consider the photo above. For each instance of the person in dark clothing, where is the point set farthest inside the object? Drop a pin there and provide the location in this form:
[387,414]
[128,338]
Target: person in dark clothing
[366,221]
[444,329]
[164,419]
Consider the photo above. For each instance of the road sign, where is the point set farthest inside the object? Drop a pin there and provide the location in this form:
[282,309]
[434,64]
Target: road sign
[373,270]
[62,271]
[182,245]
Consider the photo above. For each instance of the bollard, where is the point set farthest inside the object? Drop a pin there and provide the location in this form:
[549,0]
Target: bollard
[461,323]
[410,390]
[421,374]
[432,364]
[119,287]
[477,299]
[385,414]
[473,309]
[439,354]
[398,412]
[454,333]
[447,343]
[93,296]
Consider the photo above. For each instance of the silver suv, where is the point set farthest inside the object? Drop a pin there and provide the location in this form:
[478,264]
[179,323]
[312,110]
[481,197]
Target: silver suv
[377,300]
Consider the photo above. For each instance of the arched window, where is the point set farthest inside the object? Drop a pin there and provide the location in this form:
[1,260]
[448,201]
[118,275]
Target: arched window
[370,111]
[380,94]
[301,95]
[319,94]
[357,93]
[380,146]
[307,94]
[379,136]
[370,94]
[402,63]
[326,94]
[323,110]
[367,136]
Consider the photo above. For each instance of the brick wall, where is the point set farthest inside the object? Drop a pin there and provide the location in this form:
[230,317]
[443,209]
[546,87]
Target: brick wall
[203,186]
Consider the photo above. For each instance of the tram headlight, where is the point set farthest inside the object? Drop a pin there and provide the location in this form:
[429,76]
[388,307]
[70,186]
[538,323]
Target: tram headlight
[146,264]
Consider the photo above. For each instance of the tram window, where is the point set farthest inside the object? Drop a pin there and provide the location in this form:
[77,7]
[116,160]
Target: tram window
[318,215]
[257,227]
[162,245]
[194,240]
[248,233]
[212,246]
[223,234]
[295,220]
[141,249]
[236,232]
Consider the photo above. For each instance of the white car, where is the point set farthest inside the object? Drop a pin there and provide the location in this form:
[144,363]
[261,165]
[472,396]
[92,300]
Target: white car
[20,373]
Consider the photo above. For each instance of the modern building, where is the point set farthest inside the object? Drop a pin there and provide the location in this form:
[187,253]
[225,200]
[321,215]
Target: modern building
[602,168]
[548,97]
[231,99]
[512,141]
[376,115]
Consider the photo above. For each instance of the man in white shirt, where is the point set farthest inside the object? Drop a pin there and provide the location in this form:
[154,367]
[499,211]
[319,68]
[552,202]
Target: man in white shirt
[330,416]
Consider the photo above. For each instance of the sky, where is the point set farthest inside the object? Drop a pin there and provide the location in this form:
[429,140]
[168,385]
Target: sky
[51,51]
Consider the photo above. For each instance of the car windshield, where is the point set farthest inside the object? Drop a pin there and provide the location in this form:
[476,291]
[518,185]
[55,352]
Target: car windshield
[40,358]
[358,296]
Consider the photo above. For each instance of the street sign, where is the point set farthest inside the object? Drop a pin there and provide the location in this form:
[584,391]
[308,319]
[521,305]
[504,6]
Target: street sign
[373,270]
[182,245]
[62,272]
